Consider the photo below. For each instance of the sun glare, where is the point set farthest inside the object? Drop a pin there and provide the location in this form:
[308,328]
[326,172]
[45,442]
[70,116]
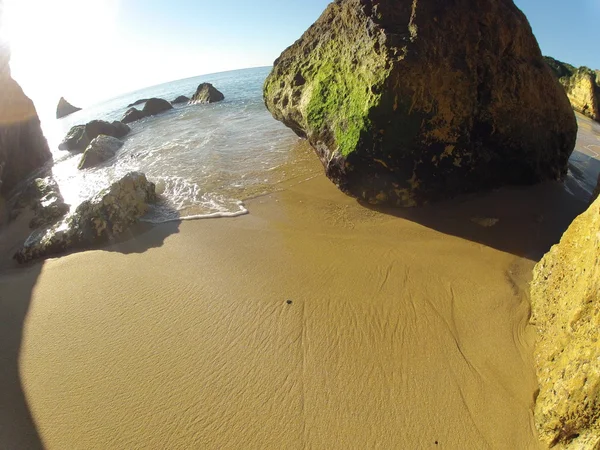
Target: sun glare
[55,44]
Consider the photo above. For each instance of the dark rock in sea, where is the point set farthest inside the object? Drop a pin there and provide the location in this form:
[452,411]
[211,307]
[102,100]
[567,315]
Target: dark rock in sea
[80,136]
[49,204]
[156,106]
[121,129]
[108,214]
[207,93]
[411,102]
[76,140]
[64,108]
[181,99]
[100,149]
[138,102]
[132,114]
[581,86]
[23,147]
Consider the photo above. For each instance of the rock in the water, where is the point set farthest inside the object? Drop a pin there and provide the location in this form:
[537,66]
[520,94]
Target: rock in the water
[80,136]
[581,85]
[121,129]
[137,102]
[64,108]
[181,99]
[48,205]
[156,106]
[132,114]
[100,149]
[108,214]
[23,147]
[565,300]
[409,102]
[76,140]
[207,93]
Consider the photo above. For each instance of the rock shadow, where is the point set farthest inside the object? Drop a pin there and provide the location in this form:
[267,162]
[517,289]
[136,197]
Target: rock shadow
[524,221]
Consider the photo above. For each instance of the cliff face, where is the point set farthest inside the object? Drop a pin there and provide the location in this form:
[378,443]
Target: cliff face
[565,296]
[409,102]
[23,147]
[581,86]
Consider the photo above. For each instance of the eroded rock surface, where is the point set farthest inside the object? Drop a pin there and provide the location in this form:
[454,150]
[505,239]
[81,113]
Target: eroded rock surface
[409,102]
[207,93]
[565,297]
[100,149]
[48,203]
[108,214]
[64,108]
[581,86]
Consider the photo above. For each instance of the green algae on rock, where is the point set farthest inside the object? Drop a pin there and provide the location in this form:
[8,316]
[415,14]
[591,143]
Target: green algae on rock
[108,214]
[581,85]
[565,297]
[410,102]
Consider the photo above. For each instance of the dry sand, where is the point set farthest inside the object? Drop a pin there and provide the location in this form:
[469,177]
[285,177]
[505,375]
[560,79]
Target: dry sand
[402,332]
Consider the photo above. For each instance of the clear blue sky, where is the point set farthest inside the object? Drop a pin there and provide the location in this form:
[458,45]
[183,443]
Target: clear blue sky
[88,50]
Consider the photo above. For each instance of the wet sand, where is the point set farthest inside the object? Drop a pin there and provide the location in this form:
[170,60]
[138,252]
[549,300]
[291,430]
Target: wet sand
[313,322]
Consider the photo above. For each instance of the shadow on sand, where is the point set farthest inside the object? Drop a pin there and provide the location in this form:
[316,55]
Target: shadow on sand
[524,221]
[17,423]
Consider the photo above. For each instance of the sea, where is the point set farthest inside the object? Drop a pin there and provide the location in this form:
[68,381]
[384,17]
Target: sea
[205,159]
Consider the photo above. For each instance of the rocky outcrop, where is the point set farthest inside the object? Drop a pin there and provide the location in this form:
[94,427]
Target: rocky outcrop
[581,85]
[410,102]
[23,147]
[207,93]
[138,102]
[181,99]
[100,149]
[48,202]
[565,295]
[108,214]
[152,107]
[80,136]
[64,108]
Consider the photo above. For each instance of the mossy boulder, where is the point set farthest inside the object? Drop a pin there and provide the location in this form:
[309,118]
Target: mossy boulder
[581,86]
[409,102]
[207,93]
[105,216]
[565,299]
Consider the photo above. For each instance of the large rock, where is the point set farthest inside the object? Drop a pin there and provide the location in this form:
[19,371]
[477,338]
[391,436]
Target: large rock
[152,107]
[138,102]
[80,136]
[48,202]
[156,106]
[108,214]
[23,147]
[565,298]
[132,115]
[581,86]
[207,93]
[100,149]
[64,108]
[408,102]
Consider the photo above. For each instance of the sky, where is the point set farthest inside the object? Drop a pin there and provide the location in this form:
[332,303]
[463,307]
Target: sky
[90,50]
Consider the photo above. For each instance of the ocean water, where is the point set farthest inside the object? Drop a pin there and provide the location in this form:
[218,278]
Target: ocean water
[204,159]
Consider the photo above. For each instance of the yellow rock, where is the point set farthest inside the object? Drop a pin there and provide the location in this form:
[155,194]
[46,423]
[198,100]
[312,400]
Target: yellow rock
[565,297]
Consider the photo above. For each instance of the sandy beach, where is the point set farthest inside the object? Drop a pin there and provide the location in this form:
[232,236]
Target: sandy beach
[313,322]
